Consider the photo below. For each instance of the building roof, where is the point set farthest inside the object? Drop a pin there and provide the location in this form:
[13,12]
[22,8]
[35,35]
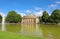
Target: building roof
[30,16]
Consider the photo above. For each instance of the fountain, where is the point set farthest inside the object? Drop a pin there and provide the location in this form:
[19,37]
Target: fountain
[3,24]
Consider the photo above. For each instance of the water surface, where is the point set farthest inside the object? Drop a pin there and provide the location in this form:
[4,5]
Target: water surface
[46,31]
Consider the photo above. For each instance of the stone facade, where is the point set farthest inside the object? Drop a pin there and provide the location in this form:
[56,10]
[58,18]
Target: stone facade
[30,19]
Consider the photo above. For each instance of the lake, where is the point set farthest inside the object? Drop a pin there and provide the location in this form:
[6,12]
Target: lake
[39,30]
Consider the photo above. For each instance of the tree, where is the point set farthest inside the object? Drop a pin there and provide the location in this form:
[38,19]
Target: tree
[50,20]
[0,18]
[45,17]
[55,16]
[13,17]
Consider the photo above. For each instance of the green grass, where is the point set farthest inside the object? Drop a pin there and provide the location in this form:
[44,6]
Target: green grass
[10,35]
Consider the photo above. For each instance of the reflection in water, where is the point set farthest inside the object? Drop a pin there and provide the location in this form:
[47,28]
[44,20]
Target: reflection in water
[50,36]
[38,30]
[49,31]
[3,27]
[31,29]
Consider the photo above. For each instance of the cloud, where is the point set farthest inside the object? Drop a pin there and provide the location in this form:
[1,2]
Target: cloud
[57,2]
[28,11]
[52,5]
[2,14]
[38,8]
[22,14]
[39,13]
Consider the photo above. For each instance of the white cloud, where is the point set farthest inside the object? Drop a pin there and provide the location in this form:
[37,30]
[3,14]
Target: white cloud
[39,13]
[28,11]
[52,5]
[57,2]
[38,8]
[22,14]
[2,14]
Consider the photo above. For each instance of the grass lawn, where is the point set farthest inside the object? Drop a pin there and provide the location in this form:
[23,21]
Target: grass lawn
[10,35]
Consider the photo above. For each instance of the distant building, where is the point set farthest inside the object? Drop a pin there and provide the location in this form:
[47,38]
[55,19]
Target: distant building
[31,18]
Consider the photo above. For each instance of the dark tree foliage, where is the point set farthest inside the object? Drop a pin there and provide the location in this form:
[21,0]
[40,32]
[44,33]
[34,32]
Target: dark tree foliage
[55,16]
[13,17]
[0,18]
[45,17]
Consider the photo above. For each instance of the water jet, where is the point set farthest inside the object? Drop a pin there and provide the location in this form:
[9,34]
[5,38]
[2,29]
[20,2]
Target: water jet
[3,22]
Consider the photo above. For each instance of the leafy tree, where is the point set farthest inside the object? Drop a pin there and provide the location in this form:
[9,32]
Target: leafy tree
[45,17]
[50,20]
[55,16]
[0,18]
[13,17]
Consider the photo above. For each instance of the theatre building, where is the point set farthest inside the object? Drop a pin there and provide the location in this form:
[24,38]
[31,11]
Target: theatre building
[30,19]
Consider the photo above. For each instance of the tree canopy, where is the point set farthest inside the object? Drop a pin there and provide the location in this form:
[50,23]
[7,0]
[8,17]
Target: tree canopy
[0,18]
[55,16]
[13,17]
[45,17]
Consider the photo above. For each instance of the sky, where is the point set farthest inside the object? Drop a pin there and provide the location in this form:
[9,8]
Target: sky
[25,7]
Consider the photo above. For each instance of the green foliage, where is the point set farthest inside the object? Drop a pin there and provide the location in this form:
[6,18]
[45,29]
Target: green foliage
[45,17]
[55,16]
[0,18]
[50,20]
[13,17]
